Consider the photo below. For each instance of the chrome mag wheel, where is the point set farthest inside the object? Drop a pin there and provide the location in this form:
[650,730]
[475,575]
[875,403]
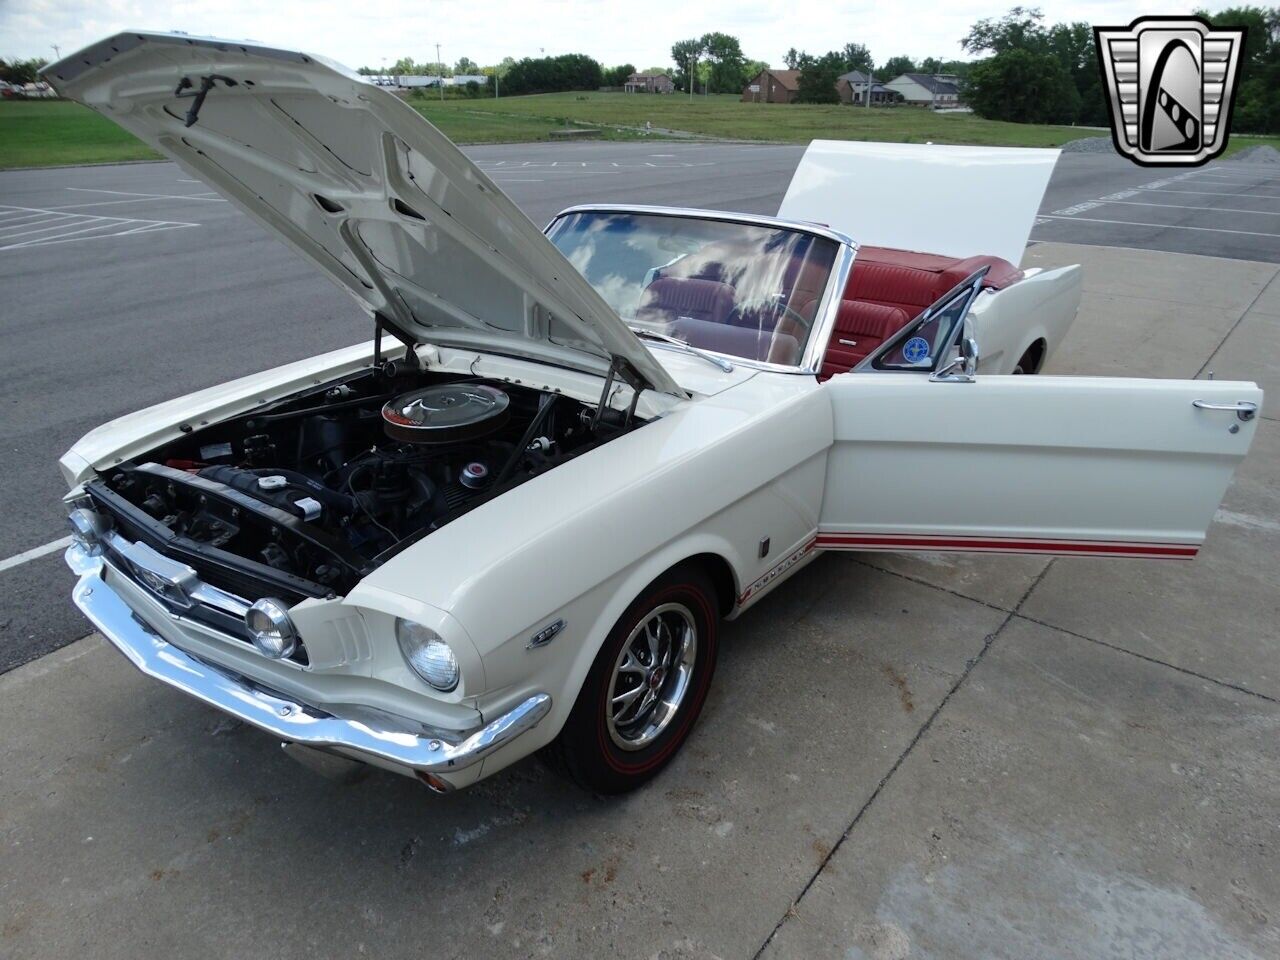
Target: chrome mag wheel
[651,676]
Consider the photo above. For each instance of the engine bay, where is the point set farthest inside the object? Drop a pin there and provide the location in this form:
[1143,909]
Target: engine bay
[317,490]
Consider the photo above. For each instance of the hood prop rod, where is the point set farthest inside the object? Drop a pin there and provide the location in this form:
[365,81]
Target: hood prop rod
[206,84]
[620,367]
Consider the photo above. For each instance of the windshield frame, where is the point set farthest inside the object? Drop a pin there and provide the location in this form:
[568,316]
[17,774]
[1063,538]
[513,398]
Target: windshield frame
[825,317]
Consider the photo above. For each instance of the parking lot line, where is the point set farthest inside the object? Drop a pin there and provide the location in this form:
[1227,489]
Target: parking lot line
[35,553]
[1221,193]
[71,227]
[150,196]
[1183,206]
[1158,226]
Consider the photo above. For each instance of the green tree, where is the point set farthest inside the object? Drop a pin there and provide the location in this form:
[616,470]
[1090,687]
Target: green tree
[856,57]
[728,65]
[1023,87]
[1257,101]
[817,80]
[466,66]
[21,71]
[617,76]
[895,67]
[683,53]
[1022,28]
[792,59]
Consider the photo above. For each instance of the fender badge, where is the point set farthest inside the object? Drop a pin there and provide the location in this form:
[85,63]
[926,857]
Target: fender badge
[545,635]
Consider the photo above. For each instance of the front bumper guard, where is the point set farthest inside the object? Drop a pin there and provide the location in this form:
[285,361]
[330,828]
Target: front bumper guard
[273,712]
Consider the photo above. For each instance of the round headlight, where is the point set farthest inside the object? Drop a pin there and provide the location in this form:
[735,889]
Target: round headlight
[271,629]
[429,656]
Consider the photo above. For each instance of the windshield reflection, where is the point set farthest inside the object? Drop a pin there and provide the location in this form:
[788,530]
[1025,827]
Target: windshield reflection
[744,290]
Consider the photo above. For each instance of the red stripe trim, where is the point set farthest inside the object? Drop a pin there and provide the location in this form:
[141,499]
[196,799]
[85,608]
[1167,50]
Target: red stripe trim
[828,541]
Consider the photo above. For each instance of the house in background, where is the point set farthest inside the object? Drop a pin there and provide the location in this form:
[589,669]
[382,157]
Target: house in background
[772,86]
[852,88]
[927,90]
[649,83]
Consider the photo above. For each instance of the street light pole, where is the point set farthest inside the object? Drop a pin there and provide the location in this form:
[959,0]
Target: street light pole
[440,66]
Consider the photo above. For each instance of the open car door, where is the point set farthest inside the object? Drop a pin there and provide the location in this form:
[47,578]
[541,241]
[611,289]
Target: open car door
[928,456]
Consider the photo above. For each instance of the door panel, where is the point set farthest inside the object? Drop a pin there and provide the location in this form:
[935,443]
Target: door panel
[1007,464]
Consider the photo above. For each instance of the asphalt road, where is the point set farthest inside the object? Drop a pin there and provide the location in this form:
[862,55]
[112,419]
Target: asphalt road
[126,285]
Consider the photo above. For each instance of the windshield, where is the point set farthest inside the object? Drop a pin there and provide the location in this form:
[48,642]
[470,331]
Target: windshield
[740,289]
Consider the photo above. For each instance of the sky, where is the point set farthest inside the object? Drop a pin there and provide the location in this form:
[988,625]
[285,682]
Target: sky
[363,34]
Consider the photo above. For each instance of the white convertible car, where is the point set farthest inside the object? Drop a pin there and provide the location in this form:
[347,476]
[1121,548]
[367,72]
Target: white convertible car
[514,520]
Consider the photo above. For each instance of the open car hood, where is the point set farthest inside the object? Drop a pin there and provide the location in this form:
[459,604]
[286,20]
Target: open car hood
[957,201]
[359,182]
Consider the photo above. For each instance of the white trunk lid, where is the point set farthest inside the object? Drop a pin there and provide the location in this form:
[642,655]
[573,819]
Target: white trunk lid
[956,201]
[356,180]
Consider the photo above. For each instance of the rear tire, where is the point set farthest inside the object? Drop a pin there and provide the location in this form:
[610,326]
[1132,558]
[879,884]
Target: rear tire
[646,688]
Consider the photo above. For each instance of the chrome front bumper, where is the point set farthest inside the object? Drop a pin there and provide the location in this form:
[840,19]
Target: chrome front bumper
[275,713]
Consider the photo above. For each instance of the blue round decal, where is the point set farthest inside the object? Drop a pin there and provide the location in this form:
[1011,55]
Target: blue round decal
[916,350]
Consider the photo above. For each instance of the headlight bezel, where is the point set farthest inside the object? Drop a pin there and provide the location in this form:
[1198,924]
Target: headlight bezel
[285,643]
[428,655]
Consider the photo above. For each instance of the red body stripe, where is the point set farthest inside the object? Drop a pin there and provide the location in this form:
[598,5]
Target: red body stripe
[829,541]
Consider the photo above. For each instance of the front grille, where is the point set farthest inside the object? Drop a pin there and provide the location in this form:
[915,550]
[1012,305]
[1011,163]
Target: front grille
[244,578]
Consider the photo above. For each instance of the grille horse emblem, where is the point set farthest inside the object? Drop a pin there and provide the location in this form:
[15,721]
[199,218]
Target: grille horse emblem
[1171,82]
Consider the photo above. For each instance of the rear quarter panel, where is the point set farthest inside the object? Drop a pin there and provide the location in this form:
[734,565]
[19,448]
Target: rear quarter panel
[1039,307]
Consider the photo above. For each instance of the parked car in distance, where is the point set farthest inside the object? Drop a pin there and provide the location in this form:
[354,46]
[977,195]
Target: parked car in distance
[515,520]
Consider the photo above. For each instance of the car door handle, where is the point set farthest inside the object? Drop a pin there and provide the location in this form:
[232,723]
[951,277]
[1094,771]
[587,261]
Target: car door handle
[1245,409]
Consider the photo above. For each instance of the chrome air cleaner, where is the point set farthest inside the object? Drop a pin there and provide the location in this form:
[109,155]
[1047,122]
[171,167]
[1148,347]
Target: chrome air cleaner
[446,413]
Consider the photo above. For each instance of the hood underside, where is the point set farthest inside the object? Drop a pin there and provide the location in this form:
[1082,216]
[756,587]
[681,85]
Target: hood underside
[359,182]
[957,201]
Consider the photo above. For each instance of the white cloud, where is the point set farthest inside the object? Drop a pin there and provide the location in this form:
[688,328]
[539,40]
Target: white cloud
[612,32]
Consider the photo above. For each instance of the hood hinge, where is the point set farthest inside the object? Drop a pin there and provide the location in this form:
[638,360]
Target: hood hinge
[381,323]
[621,367]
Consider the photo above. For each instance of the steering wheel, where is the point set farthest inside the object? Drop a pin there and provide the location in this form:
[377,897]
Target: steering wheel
[774,303]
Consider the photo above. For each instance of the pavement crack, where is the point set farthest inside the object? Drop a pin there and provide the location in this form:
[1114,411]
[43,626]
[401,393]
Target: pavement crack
[1239,320]
[990,639]
[925,583]
[1154,660]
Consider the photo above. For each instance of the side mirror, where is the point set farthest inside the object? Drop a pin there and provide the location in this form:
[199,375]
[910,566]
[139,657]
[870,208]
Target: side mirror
[961,368]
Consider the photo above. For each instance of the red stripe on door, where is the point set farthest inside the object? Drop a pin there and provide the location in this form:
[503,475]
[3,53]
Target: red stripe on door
[859,541]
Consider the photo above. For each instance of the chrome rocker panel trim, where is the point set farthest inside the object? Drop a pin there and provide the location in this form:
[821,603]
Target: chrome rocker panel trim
[276,714]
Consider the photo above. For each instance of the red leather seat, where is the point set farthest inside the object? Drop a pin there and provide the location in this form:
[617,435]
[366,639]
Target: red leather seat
[888,288]
[860,328]
[668,299]
[908,279]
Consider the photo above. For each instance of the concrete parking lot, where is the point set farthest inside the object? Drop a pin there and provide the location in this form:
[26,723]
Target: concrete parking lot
[938,756]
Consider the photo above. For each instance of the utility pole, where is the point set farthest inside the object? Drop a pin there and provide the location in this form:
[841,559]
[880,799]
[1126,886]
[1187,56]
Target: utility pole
[693,60]
[57,51]
[440,66]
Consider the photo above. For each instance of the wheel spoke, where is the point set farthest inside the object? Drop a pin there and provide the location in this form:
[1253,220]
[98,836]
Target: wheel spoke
[630,664]
[623,700]
[651,635]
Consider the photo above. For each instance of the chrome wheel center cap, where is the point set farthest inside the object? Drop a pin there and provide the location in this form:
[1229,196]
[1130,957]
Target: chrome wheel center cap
[656,677]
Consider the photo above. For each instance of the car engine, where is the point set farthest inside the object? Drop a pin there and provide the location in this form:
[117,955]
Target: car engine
[321,488]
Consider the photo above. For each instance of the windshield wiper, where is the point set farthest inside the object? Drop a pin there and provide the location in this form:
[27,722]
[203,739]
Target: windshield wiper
[684,346]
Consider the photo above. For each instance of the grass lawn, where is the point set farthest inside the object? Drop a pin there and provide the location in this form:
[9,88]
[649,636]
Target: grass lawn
[41,133]
[727,116]
[36,133]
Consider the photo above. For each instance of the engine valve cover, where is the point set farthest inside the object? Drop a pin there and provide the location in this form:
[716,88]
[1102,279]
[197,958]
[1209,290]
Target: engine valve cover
[446,413]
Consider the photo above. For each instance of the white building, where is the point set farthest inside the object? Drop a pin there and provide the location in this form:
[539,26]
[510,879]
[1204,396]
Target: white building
[927,90]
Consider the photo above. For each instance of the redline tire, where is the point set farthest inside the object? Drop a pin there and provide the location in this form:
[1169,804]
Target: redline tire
[587,749]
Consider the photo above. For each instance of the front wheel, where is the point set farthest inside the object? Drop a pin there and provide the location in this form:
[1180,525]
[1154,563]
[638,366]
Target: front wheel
[646,687]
